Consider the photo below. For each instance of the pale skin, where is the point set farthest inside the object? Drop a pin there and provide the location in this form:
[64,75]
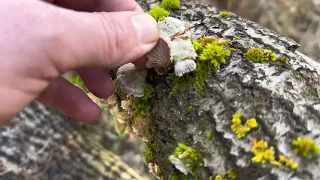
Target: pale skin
[41,40]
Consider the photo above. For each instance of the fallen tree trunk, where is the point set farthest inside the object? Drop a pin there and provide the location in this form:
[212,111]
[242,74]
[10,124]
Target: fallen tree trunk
[41,144]
[285,102]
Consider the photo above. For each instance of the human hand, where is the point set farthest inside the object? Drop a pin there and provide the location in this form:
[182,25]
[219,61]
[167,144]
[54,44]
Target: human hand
[40,41]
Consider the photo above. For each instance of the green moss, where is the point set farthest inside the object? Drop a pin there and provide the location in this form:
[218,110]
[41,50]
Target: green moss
[283,59]
[190,155]
[158,13]
[76,80]
[224,14]
[211,54]
[269,55]
[306,147]
[180,82]
[170,4]
[141,105]
[255,55]
[232,175]
[190,108]
[258,55]
[209,135]
[175,176]
[148,155]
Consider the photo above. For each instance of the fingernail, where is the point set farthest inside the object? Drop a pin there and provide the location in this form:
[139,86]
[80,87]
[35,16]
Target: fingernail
[147,29]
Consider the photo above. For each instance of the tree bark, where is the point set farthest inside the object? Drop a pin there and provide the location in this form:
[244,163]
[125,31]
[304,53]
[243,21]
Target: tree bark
[285,101]
[42,144]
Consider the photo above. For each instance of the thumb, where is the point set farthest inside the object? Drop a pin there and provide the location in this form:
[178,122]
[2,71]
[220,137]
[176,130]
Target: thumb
[101,39]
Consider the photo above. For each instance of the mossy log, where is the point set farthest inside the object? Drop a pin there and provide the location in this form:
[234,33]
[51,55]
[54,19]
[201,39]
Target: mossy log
[285,100]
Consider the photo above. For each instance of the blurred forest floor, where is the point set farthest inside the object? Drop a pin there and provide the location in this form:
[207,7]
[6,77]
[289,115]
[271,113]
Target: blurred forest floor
[297,19]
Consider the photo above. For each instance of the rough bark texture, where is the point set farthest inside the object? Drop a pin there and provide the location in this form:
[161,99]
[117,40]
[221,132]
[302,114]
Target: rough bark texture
[41,144]
[285,101]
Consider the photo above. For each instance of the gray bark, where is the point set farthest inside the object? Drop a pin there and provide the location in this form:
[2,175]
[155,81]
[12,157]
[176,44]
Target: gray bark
[41,144]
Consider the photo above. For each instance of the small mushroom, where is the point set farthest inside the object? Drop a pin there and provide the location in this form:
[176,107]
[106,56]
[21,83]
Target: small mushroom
[131,80]
[174,47]
[159,57]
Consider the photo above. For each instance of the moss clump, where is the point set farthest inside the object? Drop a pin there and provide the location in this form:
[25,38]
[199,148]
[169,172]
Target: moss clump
[170,4]
[306,147]
[209,135]
[232,175]
[148,155]
[264,154]
[224,14]
[158,13]
[258,55]
[141,105]
[239,129]
[288,162]
[219,177]
[192,157]
[189,158]
[77,81]
[211,54]
[283,59]
[269,55]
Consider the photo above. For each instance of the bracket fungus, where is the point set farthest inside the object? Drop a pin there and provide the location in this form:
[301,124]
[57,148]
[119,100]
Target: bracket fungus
[174,47]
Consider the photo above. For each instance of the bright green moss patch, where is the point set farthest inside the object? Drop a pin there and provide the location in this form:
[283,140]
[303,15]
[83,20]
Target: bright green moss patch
[258,55]
[209,135]
[187,159]
[283,59]
[192,157]
[224,14]
[148,155]
[232,175]
[76,80]
[170,4]
[158,13]
[212,53]
[306,147]
[239,129]
[141,105]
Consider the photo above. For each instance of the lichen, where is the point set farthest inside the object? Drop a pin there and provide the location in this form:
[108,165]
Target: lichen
[258,55]
[141,105]
[158,13]
[211,54]
[306,147]
[263,154]
[224,14]
[170,4]
[239,129]
[187,159]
